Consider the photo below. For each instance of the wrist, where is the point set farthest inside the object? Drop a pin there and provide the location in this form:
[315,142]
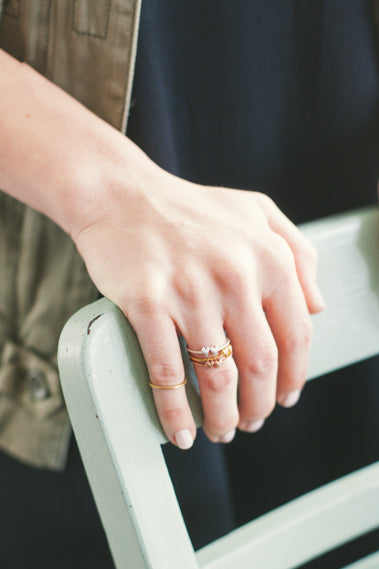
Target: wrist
[55,155]
[115,171]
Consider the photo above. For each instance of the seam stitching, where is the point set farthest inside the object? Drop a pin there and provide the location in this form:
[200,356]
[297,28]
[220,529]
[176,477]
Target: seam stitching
[13,12]
[75,29]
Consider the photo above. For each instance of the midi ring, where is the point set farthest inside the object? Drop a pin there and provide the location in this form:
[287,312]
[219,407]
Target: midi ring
[208,350]
[154,386]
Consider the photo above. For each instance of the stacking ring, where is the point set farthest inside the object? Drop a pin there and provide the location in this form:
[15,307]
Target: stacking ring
[208,350]
[154,386]
[218,357]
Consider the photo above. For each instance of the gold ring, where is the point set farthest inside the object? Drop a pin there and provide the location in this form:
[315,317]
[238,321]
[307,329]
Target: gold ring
[154,386]
[214,361]
[209,363]
[208,350]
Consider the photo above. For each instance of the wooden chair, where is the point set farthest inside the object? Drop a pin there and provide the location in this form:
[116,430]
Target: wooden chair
[104,380]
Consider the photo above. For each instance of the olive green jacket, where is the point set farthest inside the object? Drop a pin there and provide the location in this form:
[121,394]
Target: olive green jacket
[88,48]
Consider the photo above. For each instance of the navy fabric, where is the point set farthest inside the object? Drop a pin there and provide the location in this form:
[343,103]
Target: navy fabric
[276,96]
[280,97]
[49,520]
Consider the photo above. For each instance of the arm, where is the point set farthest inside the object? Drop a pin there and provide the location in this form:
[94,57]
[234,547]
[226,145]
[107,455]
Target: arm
[174,256]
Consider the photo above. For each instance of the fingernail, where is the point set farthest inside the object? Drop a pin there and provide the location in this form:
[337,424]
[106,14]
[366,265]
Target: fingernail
[289,399]
[254,426]
[183,439]
[228,437]
[318,298]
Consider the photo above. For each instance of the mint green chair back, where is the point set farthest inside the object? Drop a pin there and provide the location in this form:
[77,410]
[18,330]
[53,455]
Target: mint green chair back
[104,379]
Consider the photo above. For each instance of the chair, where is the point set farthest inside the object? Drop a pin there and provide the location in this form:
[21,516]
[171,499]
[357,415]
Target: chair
[104,380]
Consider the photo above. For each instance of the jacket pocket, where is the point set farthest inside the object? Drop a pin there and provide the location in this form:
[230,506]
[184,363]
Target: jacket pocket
[10,8]
[91,18]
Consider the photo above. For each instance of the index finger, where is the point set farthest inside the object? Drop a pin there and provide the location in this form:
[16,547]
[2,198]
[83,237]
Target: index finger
[160,346]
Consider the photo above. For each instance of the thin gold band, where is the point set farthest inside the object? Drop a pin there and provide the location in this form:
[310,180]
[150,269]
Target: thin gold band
[168,386]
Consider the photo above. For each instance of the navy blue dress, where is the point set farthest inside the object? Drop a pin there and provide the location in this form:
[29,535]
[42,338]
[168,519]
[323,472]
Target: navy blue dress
[280,97]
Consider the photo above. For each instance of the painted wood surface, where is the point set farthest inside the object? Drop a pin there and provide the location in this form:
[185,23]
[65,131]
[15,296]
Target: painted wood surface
[104,380]
[369,562]
[297,532]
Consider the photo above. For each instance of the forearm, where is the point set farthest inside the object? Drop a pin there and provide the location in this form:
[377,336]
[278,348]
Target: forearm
[55,155]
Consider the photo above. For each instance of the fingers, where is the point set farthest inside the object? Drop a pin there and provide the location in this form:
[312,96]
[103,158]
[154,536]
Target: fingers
[159,342]
[270,331]
[263,299]
[288,317]
[271,335]
[218,385]
[256,356]
[304,252]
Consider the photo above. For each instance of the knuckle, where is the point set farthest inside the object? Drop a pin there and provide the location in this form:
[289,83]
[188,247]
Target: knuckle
[282,252]
[309,252]
[190,290]
[265,363]
[218,382]
[265,201]
[234,276]
[164,373]
[143,305]
[172,414]
[238,280]
[148,297]
[301,339]
[279,255]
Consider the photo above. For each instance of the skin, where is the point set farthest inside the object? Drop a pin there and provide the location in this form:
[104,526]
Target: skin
[176,257]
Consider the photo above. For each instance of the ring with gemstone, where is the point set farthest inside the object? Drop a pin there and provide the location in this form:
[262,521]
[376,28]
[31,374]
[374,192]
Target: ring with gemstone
[206,351]
[216,360]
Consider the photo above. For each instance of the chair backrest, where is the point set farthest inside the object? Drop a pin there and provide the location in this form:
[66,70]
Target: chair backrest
[104,379]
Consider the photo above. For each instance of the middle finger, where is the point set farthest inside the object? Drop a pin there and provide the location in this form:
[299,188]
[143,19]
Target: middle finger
[218,385]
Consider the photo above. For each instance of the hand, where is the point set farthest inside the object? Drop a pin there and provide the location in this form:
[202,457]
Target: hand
[177,257]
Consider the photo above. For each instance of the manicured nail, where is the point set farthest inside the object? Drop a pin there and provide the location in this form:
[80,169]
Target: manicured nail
[289,399]
[318,298]
[228,437]
[183,439]
[254,426]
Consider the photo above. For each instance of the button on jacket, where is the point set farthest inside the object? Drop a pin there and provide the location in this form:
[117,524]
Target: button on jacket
[87,47]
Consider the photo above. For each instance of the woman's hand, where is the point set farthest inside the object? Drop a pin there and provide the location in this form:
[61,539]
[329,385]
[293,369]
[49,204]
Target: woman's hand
[179,258]
[176,257]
